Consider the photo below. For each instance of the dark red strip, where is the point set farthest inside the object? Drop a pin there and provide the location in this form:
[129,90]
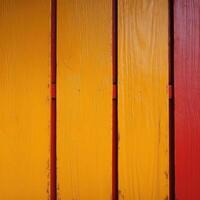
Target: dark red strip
[171,104]
[53,102]
[115,100]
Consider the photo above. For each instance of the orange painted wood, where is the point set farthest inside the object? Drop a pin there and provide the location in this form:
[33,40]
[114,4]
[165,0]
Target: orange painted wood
[84,100]
[24,99]
[143,100]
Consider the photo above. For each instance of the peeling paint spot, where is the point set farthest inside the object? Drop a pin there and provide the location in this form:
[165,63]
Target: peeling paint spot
[166,175]
[121,195]
[166,198]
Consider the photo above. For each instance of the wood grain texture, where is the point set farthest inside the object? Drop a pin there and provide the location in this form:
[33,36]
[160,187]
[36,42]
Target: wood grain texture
[84,126]
[187,98]
[143,100]
[25,103]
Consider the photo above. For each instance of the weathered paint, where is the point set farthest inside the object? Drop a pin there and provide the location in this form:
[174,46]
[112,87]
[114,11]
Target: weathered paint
[25,99]
[187,98]
[143,100]
[84,99]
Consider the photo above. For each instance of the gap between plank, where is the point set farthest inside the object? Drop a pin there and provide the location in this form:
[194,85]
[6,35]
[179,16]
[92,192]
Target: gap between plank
[171,103]
[115,100]
[53,178]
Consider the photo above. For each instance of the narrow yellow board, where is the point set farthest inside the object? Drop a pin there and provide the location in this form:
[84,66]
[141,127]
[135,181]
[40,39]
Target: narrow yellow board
[143,100]
[25,99]
[84,99]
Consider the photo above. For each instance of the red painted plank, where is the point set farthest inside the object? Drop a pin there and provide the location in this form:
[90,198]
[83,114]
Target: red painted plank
[187,98]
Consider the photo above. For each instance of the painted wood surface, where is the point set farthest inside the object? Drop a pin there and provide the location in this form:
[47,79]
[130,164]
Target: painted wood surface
[25,103]
[187,98]
[143,100]
[84,99]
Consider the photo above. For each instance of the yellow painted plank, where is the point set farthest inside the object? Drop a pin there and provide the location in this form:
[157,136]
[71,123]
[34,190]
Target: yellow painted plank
[84,127]
[143,100]
[24,102]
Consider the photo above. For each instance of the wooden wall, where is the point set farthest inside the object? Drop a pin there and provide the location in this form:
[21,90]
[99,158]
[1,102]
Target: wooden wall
[84,99]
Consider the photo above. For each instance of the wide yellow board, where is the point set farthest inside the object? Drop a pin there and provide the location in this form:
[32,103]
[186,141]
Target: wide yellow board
[84,99]
[24,99]
[143,100]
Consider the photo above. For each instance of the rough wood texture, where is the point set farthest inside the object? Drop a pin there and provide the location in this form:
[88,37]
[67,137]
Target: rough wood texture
[84,134]
[187,98]
[25,103]
[143,100]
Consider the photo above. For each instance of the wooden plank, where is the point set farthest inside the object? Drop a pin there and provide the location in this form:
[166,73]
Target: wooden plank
[25,99]
[143,100]
[187,98]
[84,127]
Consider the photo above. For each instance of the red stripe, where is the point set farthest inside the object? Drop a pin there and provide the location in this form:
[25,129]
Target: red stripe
[187,98]
[53,103]
[115,104]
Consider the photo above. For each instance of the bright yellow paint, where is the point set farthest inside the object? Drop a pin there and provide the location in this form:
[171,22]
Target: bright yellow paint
[84,134]
[24,102]
[143,100]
